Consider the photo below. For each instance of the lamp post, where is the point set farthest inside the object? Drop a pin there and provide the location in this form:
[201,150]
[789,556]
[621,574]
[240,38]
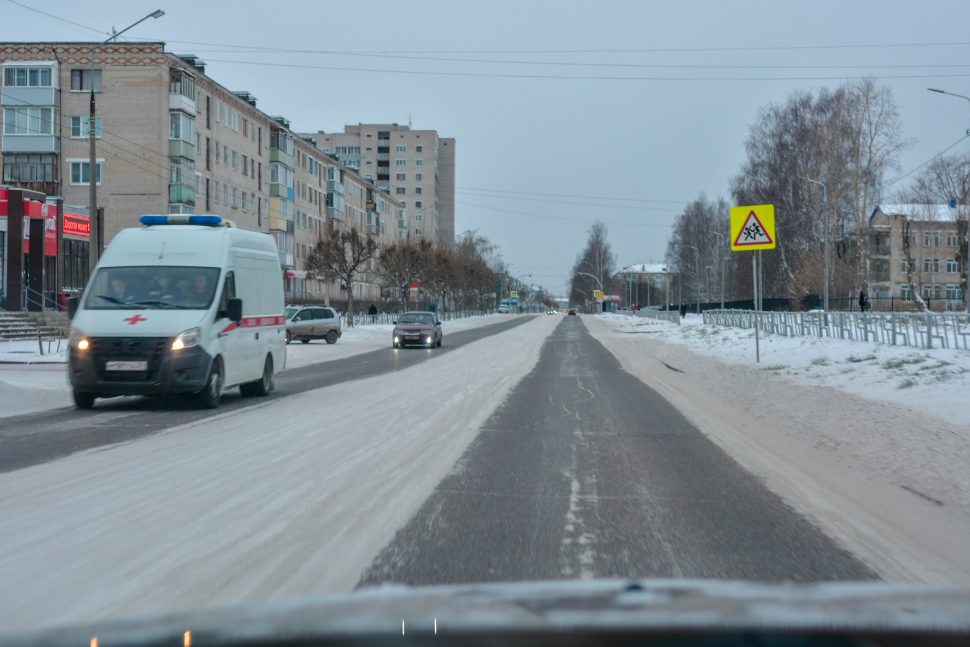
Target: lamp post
[95,244]
[595,278]
[966,272]
[825,244]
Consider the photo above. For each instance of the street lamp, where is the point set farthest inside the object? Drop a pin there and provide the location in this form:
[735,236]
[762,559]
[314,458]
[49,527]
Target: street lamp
[966,295]
[95,244]
[825,245]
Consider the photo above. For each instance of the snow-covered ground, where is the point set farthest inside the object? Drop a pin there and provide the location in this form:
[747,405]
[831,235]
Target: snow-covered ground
[33,382]
[292,497]
[871,441]
[934,381]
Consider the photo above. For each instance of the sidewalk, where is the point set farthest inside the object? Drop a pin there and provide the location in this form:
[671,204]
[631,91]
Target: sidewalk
[27,351]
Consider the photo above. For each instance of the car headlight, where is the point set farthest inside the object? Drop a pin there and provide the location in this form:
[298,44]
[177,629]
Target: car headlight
[78,339]
[187,339]
[397,339]
[429,340]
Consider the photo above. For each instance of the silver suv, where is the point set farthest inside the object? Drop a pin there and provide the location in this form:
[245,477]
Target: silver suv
[312,322]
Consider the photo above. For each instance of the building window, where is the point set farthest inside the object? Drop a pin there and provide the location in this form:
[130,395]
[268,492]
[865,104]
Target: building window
[904,292]
[401,163]
[927,264]
[937,292]
[33,77]
[182,83]
[244,199]
[181,126]
[418,217]
[218,111]
[419,148]
[418,177]
[953,293]
[80,172]
[225,194]
[418,162]
[418,190]
[952,240]
[29,121]
[225,153]
[417,205]
[79,127]
[400,190]
[401,177]
[952,265]
[81,80]
[235,198]
[245,128]
[235,121]
[417,231]
[936,265]
[28,168]
[218,148]
[215,194]
[402,149]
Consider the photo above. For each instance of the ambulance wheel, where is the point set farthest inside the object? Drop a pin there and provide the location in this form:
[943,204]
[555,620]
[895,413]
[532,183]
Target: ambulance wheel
[263,385]
[83,400]
[211,395]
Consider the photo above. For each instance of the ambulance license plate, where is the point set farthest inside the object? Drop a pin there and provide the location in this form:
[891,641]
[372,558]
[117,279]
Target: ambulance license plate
[126,366]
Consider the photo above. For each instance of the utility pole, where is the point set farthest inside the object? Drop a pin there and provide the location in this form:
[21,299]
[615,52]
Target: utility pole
[96,243]
[825,245]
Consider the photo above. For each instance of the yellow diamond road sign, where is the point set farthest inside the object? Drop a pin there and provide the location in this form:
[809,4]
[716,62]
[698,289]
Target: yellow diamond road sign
[753,228]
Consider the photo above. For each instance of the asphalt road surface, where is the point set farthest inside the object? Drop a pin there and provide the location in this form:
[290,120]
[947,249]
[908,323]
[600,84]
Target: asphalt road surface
[586,472]
[40,437]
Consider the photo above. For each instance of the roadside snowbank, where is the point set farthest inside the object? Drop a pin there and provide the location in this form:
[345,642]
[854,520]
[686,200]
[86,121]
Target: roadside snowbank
[886,479]
[27,351]
[292,497]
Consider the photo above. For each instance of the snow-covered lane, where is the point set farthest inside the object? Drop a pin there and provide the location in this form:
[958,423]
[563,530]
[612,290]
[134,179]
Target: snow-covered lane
[888,480]
[288,498]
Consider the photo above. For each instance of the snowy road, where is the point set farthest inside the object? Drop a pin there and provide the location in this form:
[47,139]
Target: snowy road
[585,472]
[38,437]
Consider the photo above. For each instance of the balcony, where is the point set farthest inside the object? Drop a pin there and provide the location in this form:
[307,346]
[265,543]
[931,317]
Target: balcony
[178,101]
[277,155]
[29,96]
[30,144]
[181,194]
[335,186]
[181,148]
[335,214]
[879,277]
[278,190]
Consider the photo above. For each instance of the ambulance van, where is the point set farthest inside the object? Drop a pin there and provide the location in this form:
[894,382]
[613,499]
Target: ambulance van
[185,304]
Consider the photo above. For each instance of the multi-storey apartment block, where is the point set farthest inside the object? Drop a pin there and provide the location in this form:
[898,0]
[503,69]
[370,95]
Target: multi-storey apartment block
[937,252]
[417,167]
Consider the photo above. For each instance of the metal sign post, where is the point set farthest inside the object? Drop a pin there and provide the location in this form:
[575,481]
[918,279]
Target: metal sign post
[753,229]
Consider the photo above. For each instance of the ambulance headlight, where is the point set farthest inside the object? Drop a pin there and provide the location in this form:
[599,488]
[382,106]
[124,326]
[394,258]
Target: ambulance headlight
[187,339]
[78,340]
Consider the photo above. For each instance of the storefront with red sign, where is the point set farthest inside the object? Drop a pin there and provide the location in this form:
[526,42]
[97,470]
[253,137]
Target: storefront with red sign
[43,249]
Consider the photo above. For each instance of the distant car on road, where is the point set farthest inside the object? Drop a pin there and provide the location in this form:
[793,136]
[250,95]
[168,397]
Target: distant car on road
[504,309]
[312,322]
[572,311]
[417,329]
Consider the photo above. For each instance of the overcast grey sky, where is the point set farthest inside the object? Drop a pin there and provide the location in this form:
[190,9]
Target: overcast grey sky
[523,141]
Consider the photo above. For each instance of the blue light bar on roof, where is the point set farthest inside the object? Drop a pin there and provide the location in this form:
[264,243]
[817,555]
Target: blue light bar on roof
[181,219]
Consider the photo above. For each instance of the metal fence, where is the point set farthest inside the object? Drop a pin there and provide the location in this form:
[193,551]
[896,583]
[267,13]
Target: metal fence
[663,315]
[364,319]
[919,330]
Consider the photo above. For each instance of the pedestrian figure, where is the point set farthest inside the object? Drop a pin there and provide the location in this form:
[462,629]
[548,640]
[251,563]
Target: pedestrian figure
[372,311]
[863,300]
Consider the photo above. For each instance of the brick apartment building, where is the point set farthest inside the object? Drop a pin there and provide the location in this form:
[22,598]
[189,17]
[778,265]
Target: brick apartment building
[938,251]
[170,139]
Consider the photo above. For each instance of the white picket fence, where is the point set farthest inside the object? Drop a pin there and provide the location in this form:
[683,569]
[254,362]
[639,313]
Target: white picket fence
[916,329]
[663,315]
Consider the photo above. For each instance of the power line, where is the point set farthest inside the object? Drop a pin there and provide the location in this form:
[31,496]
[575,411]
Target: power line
[569,195]
[573,203]
[56,17]
[942,152]
[563,218]
[675,66]
[337,68]
[647,50]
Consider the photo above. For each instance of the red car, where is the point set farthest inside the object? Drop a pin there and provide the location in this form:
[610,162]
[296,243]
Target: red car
[417,329]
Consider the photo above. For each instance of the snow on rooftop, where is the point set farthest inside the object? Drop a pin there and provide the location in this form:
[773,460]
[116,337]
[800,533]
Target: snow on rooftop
[926,212]
[645,268]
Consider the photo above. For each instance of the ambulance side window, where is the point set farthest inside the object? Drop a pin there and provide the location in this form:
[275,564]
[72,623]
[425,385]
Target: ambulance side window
[228,292]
